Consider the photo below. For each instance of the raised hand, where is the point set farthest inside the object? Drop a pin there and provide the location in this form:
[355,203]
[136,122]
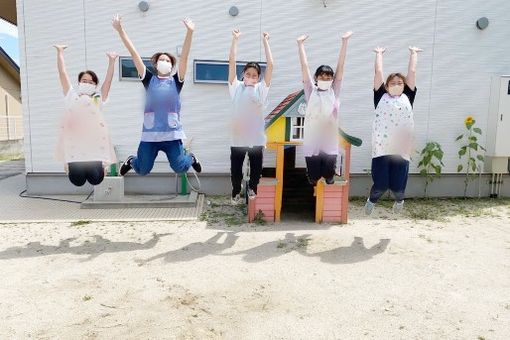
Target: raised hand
[117,22]
[301,39]
[265,36]
[415,49]
[60,48]
[236,33]
[190,25]
[112,55]
[380,50]
[346,35]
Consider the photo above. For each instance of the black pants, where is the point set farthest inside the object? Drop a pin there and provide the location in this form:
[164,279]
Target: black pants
[321,165]
[237,155]
[80,172]
[389,172]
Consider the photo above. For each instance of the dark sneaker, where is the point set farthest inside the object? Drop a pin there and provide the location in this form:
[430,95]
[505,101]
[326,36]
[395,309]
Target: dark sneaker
[196,164]
[330,180]
[126,166]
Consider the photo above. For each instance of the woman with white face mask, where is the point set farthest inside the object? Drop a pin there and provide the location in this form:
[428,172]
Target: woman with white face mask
[84,143]
[392,131]
[249,97]
[322,96]
[162,129]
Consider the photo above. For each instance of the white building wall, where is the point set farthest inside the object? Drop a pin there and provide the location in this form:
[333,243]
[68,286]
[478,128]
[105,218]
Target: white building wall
[453,71]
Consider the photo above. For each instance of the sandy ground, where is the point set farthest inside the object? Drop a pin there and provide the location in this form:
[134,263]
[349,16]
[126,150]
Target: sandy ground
[384,277]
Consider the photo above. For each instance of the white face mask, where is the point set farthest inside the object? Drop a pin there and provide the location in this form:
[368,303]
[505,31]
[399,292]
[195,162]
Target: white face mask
[164,67]
[395,90]
[324,84]
[249,81]
[86,88]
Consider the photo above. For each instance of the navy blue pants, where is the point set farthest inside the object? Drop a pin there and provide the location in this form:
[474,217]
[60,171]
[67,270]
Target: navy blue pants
[81,172]
[321,165]
[148,151]
[389,173]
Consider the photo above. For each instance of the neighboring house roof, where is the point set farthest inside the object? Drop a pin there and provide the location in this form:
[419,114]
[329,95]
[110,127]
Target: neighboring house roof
[8,11]
[9,64]
[288,103]
[281,108]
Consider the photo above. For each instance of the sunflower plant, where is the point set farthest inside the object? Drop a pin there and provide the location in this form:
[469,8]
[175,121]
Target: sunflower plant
[470,150]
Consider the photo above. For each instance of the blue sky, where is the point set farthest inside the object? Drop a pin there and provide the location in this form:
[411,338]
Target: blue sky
[9,39]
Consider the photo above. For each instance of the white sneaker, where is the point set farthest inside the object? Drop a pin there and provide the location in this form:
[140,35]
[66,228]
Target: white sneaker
[369,207]
[236,200]
[398,207]
[251,194]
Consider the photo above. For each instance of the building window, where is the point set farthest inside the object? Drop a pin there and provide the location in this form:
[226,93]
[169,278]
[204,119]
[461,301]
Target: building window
[297,128]
[128,69]
[216,71]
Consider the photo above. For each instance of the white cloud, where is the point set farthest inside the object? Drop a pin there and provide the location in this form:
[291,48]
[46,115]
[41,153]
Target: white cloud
[8,28]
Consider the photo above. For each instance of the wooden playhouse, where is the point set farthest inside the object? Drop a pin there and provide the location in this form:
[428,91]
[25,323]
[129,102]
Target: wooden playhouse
[285,129]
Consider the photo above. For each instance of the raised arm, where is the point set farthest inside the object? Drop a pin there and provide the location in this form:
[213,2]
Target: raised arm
[107,83]
[62,72]
[232,56]
[411,71]
[269,59]
[305,71]
[137,60]
[186,47]
[378,77]
[339,73]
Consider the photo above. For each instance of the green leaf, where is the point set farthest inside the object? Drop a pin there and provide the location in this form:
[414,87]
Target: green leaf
[439,154]
[460,167]
[481,147]
[473,146]
[478,130]
[473,138]
[462,152]
[459,138]
[480,158]
[423,172]
[473,166]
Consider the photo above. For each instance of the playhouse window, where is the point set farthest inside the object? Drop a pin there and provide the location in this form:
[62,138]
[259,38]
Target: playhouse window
[128,69]
[216,71]
[298,128]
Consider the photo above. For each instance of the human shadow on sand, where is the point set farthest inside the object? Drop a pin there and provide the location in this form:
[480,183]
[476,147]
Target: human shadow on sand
[356,252]
[272,249]
[95,248]
[197,250]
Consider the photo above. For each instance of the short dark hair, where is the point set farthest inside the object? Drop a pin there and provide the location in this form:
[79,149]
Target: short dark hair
[254,65]
[324,70]
[92,74]
[155,57]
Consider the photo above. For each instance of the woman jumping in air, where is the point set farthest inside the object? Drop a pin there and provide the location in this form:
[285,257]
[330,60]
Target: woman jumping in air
[392,131]
[162,129]
[249,97]
[84,143]
[321,118]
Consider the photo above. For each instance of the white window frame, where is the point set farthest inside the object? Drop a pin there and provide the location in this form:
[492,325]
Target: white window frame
[297,125]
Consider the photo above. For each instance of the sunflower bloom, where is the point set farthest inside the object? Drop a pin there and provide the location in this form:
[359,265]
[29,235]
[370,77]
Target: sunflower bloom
[469,121]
